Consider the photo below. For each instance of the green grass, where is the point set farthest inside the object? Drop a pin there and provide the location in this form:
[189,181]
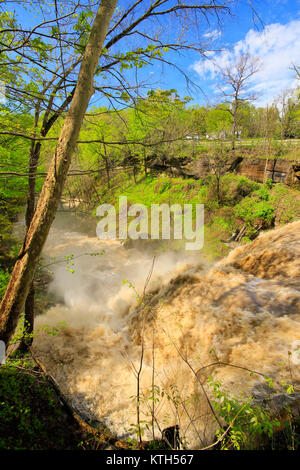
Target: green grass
[243,202]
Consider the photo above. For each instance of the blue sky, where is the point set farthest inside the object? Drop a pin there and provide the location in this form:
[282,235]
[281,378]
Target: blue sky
[275,41]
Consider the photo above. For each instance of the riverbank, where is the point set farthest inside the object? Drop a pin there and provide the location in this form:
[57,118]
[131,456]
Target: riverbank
[235,208]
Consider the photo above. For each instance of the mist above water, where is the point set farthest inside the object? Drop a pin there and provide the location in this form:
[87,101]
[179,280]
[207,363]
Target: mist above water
[243,310]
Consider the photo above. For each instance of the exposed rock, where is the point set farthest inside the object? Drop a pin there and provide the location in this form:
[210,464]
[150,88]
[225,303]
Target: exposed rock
[170,165]
[256,169]
[277,170]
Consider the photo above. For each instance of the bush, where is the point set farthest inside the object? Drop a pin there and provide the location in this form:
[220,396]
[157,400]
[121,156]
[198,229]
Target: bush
[269,183]
[253,210]
[286,202]
[248,425]
[263,194]
[246,186]
[235,188]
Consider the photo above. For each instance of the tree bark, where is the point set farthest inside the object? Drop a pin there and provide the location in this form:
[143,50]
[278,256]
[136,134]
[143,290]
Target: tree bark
[234,125]
[27,339]
[145,162]
[107,166]
[24,269]
[34,157]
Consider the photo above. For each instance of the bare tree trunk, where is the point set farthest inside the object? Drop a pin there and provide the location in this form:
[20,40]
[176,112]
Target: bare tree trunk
[29,303]
[145,162]
[24,269]
[34,157]
[266,169]
[233,126]
[134,174]
[107,166]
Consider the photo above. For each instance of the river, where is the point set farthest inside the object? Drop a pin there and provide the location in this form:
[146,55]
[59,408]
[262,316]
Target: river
[241,310]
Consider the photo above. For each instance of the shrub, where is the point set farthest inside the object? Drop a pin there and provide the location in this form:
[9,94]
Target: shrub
[235,188]
[269,183]
[252,209]
[263,194]
[248,425]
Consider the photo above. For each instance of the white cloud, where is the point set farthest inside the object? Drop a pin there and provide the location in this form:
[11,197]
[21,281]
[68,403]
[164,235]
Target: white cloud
[213,35]
[277,47]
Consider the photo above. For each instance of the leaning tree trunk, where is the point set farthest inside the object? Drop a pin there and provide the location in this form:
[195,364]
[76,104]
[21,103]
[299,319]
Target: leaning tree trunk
[34,157]
[24,269]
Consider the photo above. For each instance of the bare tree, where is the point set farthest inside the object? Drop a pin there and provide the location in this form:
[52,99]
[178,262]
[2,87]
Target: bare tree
[235,80]
[218,164]
[296,69]
[283,107]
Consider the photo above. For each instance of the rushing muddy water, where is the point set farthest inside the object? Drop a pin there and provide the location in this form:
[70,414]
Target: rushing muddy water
[244,310]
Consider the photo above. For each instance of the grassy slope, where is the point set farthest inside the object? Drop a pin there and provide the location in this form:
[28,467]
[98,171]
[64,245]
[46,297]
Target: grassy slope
[243,202]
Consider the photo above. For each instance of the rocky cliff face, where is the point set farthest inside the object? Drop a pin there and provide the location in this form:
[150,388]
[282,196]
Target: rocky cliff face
[277,170]
[256,169]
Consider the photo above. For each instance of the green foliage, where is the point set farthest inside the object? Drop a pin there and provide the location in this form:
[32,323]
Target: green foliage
[245,186]
[22,333]
[245,202]
[267,204]
[31,415]
[251,212]
[269,184]
[286,202]
[14,156]
[164,187]
[254,209]
[221,222]
[234,188]
[4,278]
[218,122]
[263,194]
[245,422]
[247,425]
[13,189]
